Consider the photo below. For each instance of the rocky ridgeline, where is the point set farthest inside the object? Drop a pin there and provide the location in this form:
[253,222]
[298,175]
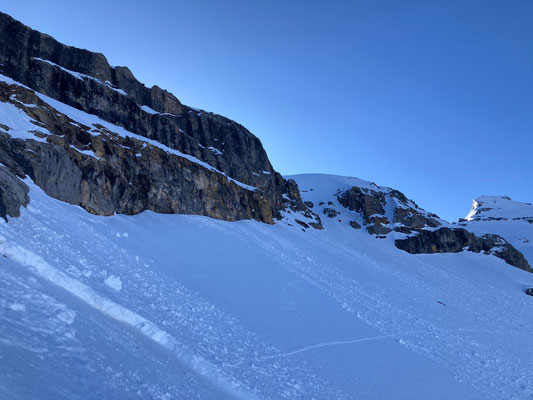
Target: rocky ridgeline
[383,210]
[218,169]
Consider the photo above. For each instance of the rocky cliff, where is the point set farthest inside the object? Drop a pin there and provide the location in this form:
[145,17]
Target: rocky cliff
[92,135]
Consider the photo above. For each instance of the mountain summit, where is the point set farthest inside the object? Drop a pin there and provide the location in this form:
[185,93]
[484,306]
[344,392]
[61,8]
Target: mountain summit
[486,208]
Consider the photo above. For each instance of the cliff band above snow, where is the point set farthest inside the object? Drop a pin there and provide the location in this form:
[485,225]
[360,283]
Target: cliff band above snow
[90,134]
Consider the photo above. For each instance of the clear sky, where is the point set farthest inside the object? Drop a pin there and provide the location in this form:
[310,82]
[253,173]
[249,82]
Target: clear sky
[434,98]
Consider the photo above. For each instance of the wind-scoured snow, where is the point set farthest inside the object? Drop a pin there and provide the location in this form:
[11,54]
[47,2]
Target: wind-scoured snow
[267,312]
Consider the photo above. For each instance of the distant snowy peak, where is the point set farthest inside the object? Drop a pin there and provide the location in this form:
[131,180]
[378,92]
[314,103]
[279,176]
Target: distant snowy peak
[489,208]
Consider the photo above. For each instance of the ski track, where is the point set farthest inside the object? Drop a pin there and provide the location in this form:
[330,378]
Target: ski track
[325,344]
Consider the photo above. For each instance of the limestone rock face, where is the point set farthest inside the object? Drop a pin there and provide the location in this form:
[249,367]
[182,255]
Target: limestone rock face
[86,81]
[384,210]
[13,194]
[192,161]
[454,240]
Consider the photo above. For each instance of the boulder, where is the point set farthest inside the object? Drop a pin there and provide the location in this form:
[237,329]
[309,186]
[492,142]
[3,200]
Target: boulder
[355,224]
[330,212]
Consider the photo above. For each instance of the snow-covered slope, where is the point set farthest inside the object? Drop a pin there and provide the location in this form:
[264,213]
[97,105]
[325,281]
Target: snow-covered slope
[174,306]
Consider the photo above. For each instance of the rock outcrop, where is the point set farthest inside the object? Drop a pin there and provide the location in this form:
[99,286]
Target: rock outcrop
[454,240]
[13,193]
[384,210]
[158,155]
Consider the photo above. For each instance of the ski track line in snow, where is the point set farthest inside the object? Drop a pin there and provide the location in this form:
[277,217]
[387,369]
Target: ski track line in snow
[324,344]
[301,349]
[124,315]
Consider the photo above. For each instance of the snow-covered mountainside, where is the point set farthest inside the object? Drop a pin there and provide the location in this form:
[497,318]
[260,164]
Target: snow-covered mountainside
[174,306]
[148,250]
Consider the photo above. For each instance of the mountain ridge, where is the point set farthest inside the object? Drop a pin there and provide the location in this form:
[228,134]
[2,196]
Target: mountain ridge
[85,81]
[148,250]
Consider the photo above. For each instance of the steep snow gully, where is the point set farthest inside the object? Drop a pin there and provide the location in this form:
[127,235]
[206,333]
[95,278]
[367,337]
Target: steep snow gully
[175,306]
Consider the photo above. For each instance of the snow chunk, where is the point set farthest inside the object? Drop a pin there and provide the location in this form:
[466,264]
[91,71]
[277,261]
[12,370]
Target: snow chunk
[17,307]
[66,316]
[114,282]
[122,314]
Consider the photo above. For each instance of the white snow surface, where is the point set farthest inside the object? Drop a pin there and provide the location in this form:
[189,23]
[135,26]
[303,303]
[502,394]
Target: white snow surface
[148,110]
[216,310]
[19,123]
[114,282]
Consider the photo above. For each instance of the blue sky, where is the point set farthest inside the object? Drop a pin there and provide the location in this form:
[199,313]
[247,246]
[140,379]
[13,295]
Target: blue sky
[434,98]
